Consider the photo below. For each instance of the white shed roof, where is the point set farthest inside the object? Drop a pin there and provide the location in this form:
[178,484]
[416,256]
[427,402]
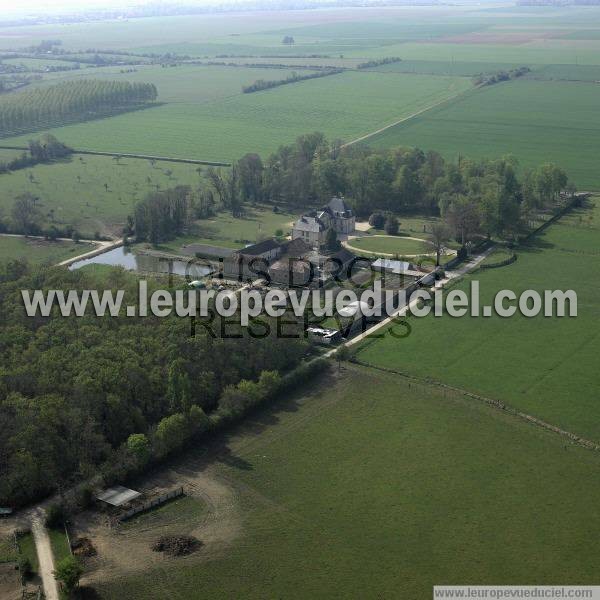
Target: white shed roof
[118,495]
[396,266]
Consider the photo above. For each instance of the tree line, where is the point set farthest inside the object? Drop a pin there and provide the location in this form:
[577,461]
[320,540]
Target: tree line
[43,150]
[161,216]
[70,100]
[119,377]
[492,197]
[378,62]
[262,84]
[492,78]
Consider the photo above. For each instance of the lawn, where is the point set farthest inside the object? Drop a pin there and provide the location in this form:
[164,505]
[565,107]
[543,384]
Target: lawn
[59,543]
[388,244]
[85,203]
[235,232]
[39,251]
[27,550]
[536,121]
[342,106]
[182,509]
[8,552]
[544,366]
[369,484]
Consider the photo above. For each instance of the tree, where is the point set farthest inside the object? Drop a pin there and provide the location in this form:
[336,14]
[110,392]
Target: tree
[68,572]
[392,226]
[25,213]
[439,237]
[171,434]
[55,516]
[463,217]
[288,40]
[331,242]
[342,354]
[138,446]
[179,388]
[377,220]
[250,172]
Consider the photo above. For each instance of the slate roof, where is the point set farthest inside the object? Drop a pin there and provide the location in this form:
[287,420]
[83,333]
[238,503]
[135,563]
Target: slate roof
[339,205]
[260,248]
[296,248]
[309,223]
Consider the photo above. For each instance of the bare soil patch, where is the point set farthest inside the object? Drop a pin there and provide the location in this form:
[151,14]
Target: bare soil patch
[173,545]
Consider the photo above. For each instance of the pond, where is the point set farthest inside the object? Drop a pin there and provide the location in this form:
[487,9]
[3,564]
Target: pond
[145,263]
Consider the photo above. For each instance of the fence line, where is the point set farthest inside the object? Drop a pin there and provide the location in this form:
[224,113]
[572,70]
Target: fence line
[489,401]
[150,504]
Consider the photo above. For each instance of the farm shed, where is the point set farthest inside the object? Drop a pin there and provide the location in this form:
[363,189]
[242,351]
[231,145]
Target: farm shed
[118,495]
[397,267]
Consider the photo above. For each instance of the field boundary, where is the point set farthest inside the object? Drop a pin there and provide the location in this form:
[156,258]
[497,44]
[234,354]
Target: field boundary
[584,442]
[411,116]
[191,161]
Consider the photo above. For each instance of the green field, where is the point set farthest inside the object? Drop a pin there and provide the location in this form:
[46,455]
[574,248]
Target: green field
[234,232]
[184,84]
[39,251]
[387,244]
[38,64]
[542,53]
[536,121]
[85,203]
[59,543]
[503,358]
[27,550]
[182,509]
[368,484]
[8,552]
[342,106]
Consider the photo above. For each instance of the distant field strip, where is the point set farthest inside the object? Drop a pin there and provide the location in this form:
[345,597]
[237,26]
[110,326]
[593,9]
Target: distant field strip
[191,161]
[408,118]
[536,121]
[346,106]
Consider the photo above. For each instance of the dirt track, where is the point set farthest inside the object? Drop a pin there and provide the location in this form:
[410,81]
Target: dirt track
[44,552]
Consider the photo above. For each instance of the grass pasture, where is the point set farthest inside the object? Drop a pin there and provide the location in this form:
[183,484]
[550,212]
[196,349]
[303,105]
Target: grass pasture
[59,543]
[536,121]
[367,484]
[342,106]
[85,203]
[501,358]
[234,232]
[27,550]
[38,251]
[180,510]
[183,84]
[8,552]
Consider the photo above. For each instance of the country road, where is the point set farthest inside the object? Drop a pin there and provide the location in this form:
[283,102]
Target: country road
[44,553]
[402,310]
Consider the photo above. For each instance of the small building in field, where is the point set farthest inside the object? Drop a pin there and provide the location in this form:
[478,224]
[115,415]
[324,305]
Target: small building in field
[117,496]
[397,267]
